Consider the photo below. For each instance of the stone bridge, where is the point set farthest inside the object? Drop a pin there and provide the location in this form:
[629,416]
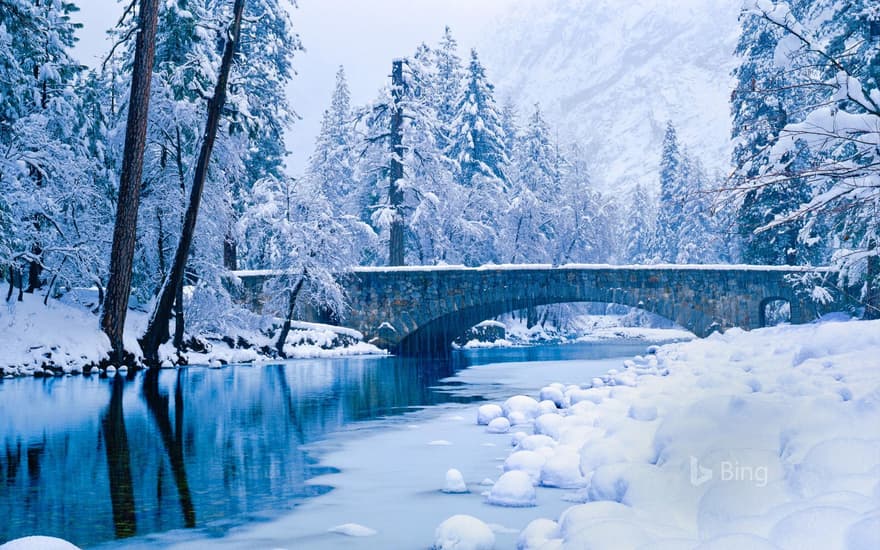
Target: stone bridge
[420,310]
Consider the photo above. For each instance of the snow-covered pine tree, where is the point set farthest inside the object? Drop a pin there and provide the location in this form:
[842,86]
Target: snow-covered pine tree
[44,158]
[586,220]
[446,86]
[534,189]
[664,246]
[697,240]
[331,165]
[765,99]
[260,109]
[477,139]
[641,215]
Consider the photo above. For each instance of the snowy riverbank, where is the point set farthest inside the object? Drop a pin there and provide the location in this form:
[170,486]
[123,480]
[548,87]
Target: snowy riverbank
[582,328]
[62,337]
[765,439]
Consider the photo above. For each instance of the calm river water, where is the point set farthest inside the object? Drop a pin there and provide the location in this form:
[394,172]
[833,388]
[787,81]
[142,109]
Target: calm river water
[94,459]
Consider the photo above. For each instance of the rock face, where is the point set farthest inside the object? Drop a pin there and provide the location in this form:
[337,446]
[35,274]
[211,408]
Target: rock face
[421,310]
[487,331]
[609,74]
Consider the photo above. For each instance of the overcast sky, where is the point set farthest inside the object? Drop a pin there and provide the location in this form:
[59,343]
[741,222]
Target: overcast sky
[362,35]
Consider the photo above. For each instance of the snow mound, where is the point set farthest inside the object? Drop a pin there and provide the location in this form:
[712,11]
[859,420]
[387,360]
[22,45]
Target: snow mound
[537,533]
[454,482]
[499,425]
[562,470]
[463,532]
[522,404]
[353,530]
[514,489]
[39,543]
[487,413]
[529,462]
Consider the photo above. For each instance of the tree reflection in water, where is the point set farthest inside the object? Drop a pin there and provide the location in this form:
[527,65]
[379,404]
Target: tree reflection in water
[232,440]
[119,462]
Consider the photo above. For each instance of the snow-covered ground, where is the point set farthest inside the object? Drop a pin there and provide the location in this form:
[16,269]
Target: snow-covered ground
[762,439]
[64,335]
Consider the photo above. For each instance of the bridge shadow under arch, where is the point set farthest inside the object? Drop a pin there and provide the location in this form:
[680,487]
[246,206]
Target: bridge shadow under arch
[435,337]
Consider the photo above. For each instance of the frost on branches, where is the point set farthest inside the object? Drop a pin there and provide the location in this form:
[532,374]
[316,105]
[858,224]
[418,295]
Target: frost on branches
[831,49]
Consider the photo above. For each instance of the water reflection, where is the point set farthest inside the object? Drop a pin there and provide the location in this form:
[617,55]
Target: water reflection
[93,460]
[119,463]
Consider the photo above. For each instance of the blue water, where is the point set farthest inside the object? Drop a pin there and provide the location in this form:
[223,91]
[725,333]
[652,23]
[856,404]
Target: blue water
[94,459]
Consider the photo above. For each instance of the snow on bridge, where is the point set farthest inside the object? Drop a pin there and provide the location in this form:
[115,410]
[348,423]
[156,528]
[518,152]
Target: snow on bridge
[421,309]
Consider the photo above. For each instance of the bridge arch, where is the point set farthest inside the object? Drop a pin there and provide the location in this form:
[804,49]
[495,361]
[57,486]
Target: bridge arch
[436,336]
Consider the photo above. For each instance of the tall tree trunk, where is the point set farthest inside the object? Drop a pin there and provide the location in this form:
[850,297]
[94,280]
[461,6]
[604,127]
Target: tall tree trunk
[872,283]
[157,329]
[35,270]
[230,253]
[285,329]
[178,318]
[396,245]
[124,231]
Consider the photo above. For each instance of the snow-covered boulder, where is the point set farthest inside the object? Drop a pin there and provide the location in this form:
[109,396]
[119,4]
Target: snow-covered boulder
[549,425]
[535,442]
[353,530]
[555,393]
[529,462]
[537,533]
[454,482]
[518,418]
[486,413]
[547,406]
[562,470]
[513,488]
[39,543]
[523,405]
[463,532]
[498,425]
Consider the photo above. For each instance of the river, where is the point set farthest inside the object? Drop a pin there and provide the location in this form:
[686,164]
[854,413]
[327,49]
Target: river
[272,455]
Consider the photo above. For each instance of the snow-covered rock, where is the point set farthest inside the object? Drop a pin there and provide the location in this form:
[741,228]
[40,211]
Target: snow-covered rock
[463,532]
[454,482]
[521,404]
[498,425]
[513,488]
[549,425]
[761,439]
[529,462]
[537,533]
[562,470]
[353,530]
[39,543]
[486,413]
[554,393]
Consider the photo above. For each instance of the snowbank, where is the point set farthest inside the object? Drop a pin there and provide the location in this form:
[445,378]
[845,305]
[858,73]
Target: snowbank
[762,439]
[63,337]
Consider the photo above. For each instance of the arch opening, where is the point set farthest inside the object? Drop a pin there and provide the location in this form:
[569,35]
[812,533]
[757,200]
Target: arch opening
[775,311]
[436,337]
